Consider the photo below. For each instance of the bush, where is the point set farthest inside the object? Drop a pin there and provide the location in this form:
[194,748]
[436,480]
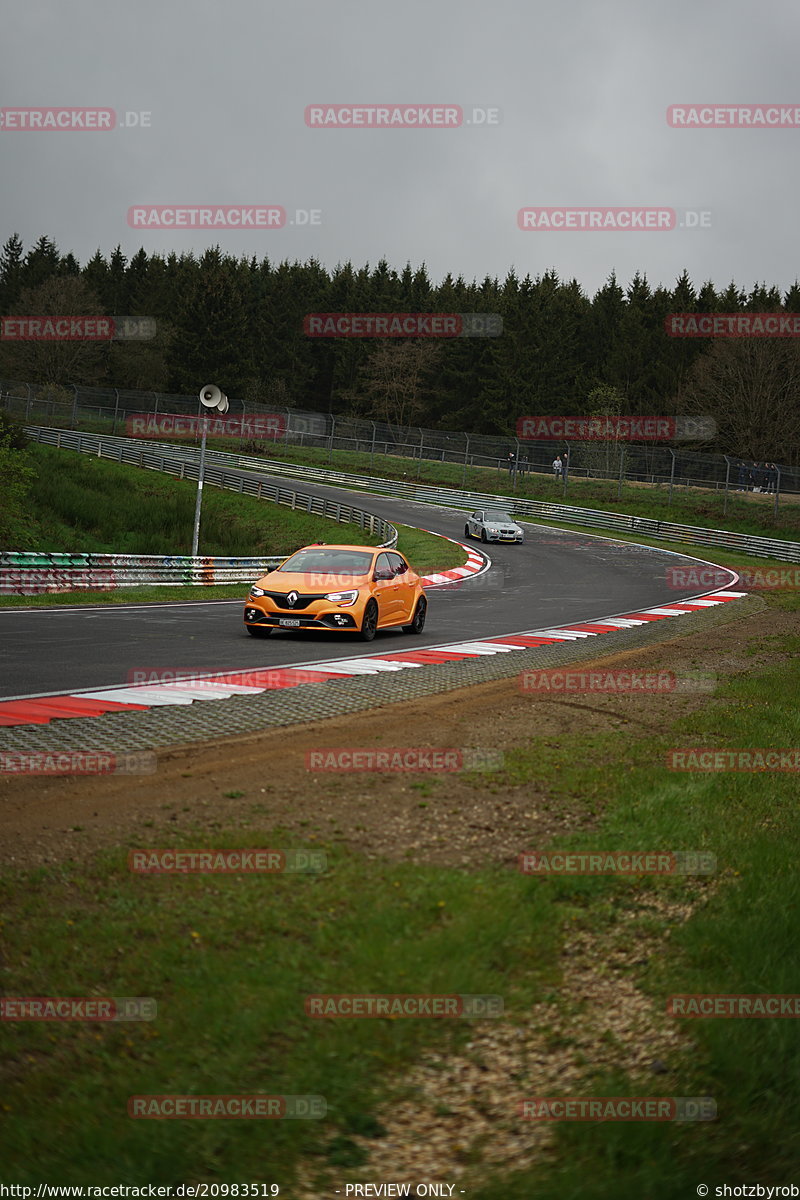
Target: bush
[12,431]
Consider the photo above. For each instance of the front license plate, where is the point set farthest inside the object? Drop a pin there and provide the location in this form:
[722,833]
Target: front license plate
[289,621]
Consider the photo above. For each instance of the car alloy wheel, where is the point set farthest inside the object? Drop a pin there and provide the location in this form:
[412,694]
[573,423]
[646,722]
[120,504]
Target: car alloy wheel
[369,625]
[418,620]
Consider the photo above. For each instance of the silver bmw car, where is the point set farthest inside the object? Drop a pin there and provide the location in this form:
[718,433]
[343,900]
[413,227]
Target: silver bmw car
[493,525]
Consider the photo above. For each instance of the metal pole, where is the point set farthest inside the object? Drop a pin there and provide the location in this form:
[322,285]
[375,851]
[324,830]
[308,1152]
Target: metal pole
[565,469]
[777,488]
[671,477]
[330,443]
[199,501]
[372,451]
[466,452]
[727,479]
[116,411]
[75,408]
[621,469]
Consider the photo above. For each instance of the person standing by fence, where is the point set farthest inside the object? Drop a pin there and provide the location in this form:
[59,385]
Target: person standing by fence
[557,467]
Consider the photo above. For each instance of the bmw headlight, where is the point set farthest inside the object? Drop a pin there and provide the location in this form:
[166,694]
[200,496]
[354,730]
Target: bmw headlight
[256,591]
[343,598]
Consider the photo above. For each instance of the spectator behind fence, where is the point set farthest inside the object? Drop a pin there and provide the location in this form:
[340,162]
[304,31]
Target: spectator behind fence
[742,476]
[557,467]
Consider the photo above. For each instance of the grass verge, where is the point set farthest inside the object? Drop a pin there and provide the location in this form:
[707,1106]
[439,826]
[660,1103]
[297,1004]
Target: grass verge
[229,959]
[747,512]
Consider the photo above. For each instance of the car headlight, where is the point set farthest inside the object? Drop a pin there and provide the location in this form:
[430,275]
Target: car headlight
[256,591]
[343,598]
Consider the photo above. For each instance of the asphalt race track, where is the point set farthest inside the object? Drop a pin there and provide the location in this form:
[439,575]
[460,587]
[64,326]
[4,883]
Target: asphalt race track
[554,578]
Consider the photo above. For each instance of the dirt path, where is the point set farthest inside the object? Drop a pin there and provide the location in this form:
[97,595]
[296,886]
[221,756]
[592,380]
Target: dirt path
[449,819]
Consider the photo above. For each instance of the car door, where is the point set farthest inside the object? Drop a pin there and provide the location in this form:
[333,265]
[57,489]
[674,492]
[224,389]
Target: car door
[406,590]
[475,522]
[386,589]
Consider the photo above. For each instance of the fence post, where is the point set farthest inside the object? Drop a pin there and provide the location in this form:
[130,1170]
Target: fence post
[466,455]
[621,470]
[671,478]
[727,480]
[330,443]
[777,488]
[116,411]
[75,408]
[155,407]
[372,451]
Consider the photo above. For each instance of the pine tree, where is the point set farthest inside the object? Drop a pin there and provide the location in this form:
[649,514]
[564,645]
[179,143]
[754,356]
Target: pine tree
[11,272]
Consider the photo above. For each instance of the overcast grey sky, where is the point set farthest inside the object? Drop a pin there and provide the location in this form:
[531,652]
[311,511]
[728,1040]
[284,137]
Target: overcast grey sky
[581,88]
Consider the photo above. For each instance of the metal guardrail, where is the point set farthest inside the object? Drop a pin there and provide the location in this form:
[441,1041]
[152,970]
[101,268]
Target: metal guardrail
[645,463]
[183,461]
[26,573]
[29,573]
[693,535]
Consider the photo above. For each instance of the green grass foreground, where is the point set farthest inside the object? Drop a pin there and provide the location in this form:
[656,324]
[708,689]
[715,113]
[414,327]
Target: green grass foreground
[229,960]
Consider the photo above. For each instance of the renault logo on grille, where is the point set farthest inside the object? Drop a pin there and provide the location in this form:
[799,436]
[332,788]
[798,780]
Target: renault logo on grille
[292,599]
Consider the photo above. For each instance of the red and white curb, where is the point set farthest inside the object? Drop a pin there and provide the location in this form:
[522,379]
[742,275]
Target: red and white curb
[476,564]
[39,710]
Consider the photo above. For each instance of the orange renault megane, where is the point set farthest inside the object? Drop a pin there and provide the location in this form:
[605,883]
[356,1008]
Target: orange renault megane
[357,589]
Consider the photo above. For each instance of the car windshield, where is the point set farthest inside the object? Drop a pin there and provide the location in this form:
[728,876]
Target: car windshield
[496,514]
[339,562]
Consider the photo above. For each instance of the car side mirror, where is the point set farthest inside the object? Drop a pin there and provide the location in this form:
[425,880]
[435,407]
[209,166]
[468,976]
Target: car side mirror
[381,575]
